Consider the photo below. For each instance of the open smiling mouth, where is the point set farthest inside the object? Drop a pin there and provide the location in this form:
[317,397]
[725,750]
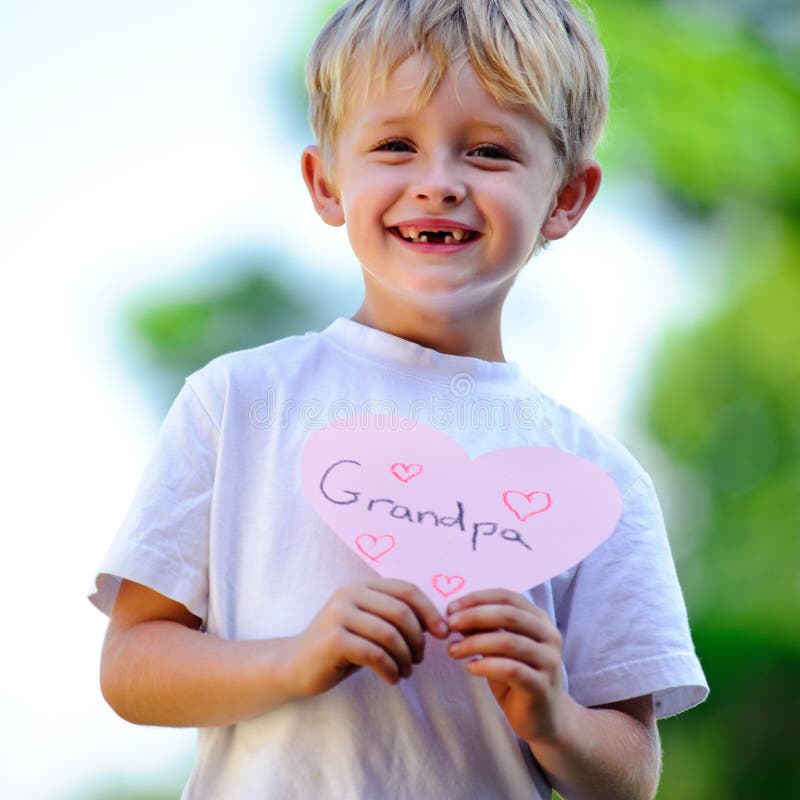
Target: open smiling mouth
[424,236]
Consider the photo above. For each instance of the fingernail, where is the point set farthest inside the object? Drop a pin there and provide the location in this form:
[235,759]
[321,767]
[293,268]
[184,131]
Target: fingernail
[453,607]
[442,628]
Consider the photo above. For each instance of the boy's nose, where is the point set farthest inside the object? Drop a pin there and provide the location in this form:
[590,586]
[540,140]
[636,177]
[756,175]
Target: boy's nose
[440,195]
[439,185]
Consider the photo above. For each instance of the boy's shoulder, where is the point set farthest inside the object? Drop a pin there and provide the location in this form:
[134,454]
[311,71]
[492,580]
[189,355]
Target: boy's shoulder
[570,431]
[256,363]
[252,372]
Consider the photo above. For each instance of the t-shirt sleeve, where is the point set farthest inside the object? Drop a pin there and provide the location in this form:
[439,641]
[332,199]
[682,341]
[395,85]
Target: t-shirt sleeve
[623,618]
[163,540]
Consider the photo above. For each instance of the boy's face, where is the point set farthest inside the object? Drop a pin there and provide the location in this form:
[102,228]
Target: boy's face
[474,178]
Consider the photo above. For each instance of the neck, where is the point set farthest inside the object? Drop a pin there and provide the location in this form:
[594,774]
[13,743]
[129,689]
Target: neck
[475,334]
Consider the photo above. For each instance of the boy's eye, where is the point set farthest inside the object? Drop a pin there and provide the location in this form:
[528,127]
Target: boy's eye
[490,151]
[393,146]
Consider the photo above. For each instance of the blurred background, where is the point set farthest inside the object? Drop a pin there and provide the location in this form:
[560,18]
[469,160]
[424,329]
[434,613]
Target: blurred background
[152,216]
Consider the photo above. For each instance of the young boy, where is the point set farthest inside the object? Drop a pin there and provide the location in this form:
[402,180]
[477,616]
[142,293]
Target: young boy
[454,139]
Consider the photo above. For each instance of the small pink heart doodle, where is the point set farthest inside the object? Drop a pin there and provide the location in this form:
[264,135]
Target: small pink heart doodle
[523,506]
[448,585]
[405,472]
[375,547]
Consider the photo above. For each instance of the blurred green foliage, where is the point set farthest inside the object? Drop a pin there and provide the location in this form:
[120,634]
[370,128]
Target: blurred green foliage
[243,303]
[706,106]
[111,793]
[700,104]
[723,404]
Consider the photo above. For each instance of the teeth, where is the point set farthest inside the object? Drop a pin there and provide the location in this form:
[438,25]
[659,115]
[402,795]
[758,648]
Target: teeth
[412,233]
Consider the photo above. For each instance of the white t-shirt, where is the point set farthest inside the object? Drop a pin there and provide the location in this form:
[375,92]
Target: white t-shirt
[219,523]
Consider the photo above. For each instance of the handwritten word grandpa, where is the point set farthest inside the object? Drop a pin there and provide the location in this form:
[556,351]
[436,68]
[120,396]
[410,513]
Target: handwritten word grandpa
[340,471]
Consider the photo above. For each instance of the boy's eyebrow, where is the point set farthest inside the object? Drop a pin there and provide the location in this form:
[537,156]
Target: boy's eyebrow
[509,131]
[387,123]
[512,132]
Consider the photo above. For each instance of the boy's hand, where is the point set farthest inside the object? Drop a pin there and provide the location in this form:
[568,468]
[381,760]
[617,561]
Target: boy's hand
[516,647]
[379,623]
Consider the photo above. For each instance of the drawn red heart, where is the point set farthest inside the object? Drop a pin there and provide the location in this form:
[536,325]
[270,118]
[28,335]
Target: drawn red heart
[405,472]
[374,547]
[524,506]
[448,584]
[460,524]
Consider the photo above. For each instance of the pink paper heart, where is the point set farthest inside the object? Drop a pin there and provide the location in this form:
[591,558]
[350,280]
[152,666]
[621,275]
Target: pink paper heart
[460,524]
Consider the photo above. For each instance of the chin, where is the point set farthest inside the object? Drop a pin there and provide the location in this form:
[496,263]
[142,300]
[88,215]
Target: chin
[443,299]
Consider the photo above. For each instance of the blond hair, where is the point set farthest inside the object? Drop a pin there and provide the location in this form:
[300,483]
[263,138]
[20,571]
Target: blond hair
[539,53]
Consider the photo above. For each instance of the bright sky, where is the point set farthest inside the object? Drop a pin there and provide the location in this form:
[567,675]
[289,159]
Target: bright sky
[137,140]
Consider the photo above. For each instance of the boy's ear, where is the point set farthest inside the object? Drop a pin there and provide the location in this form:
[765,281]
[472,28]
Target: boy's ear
[572,200]
[326,202]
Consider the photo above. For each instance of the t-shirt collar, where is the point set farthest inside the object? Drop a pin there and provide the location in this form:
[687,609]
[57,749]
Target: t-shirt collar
[394,351]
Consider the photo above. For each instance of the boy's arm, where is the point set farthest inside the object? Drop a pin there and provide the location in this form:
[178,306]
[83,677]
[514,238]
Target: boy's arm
[609,752]
[158,668]
[612,751]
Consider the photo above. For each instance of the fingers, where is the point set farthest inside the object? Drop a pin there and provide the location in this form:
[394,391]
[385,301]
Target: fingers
[386,622]
[507,638]
[498,609]
[391,624]
[512,673]
[361,652]
[422,606]
[490,597]
[502,645]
